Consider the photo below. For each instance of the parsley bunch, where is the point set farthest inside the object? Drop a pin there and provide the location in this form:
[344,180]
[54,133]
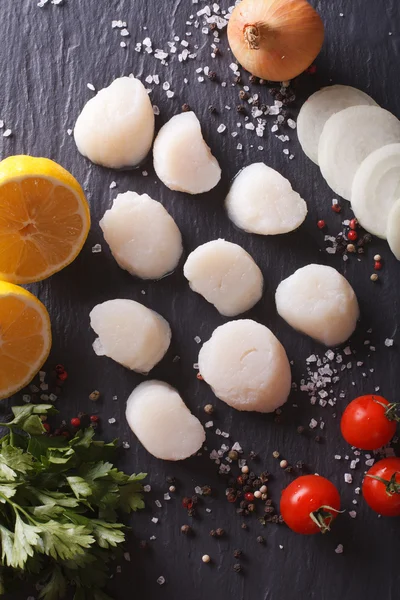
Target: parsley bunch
[59,502]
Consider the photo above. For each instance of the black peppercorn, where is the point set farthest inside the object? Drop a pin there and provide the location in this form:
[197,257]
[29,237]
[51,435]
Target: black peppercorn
[191,512]
[251,507]
[212,109]
[243,504]
[246,488]
[185,107]
[269,510]
[252,475]
[217,51]
[275,519]
[220,532]
[212,26]
[206,490]
[238,79]
[253,454]
[212,76]
[237,553]
[186,529]
[244,526]
[280,519]
[257,483]
[240,511]
[237,568]
[260,539]
[253,79]
[268,502]
[317,439]
[231,497]
[240,108]
[213,533]
[243,95]
[300,429]
[300,465]
[170,480]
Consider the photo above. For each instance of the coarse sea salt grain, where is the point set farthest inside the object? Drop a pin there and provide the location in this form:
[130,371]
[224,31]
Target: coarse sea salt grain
[221,128]
[388,342]
[91,87]
[96,249]
[7,133]
[339,549]
[154,520]
[112,421]
[161,580]
[348,478]
[147,488]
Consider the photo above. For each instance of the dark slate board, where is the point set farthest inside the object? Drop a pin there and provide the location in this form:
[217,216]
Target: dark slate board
[47,57]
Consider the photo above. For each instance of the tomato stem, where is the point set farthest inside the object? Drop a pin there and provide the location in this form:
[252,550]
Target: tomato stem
[390,410]
[323,517]
[392,486]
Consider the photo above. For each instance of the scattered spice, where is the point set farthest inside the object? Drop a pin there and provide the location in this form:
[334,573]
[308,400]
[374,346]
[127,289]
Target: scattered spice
[186,107]
[186,529]
[206,558]
[237,553]
[374,277]
[237,567]
[220,532]
[378,265]
[321,224]
[95,395]
[352,235]
[209,409]
[260,539]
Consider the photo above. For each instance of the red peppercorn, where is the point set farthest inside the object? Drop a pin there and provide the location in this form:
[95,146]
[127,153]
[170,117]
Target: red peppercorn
[199,376]
[60,369]
[352,235]
[63,376]
[65,434]
[231,497]
[94,418]
[249,496]
[75,422]
[378,265]
[46,426]
[353,224]
[336,208]
[312,70]
[321,224]
[186,501]
[240,480]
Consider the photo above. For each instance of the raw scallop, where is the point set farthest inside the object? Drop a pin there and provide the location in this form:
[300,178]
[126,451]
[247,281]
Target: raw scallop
[116,127]
[319,107]
[226,275]
[348,138]
[376,187]
[319,302]
[262,201]
[163,423]
[129,333]
[182,159]
[143,237]
[246,366]
[393,229]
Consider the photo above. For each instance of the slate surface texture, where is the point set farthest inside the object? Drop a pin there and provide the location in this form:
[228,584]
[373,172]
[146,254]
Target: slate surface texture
[47,57]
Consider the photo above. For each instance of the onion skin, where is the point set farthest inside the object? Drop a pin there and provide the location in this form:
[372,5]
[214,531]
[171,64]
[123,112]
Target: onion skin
[275,39]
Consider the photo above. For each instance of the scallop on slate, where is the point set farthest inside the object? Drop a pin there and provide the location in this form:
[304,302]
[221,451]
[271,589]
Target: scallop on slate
[318,301]
[129,333]
[116,127]
[182,159]
[143,237]
[226,275]
[162,422]
[246,366]
[262,201]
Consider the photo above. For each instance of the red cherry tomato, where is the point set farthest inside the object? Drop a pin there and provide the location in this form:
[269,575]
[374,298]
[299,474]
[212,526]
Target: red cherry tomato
[368,422]
[309,504]
[383,494]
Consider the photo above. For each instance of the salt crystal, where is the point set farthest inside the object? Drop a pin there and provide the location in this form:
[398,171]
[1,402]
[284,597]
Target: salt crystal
[44,387]
[221,128]
[370,462]
[200,79]
[337,457]
[112,421]
[291,123]
[126,445]
[154,520]
[286,151]
[69,131]
[127,556]
[250,126]
[209,424]
[208,510]
[236,446]
[352,514]
[218,431]
[313,424]
[152,537]
[347,351]
[170,94]
[225,434]
[348,478]
[357,490]
[91,87]
[147,42]
[280,547]
[147,488]
[161,580]
[339,549]
[388,342]
[124,32]
[198,490]
[26,398]
[353,464]
[122,44]
[239,147]
[96,249]
[7,133]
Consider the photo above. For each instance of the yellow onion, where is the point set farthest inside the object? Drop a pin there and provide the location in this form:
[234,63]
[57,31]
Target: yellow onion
[275,39]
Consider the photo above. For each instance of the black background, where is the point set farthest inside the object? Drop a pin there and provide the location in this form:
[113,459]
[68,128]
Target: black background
[47,57]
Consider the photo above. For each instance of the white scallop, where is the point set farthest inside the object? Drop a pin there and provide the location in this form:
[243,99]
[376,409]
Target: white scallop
[162,422]
[182,159]
[376,187]
[319,107]
[262,201]
[348,138]
[143,237]
[116,127]
[225,275]
[393,229]
[320,302]
[129,333]
[246,366]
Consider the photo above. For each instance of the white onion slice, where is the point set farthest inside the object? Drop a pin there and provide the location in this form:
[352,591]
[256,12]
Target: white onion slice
[262,201]
[348,138]
[319,107]
[376,187]
[393,229]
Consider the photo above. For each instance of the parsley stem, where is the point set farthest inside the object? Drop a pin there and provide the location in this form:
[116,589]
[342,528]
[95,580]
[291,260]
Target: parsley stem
[18,508]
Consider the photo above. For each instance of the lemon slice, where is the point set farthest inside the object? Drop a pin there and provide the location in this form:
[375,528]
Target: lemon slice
[25,337]
[44,218]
